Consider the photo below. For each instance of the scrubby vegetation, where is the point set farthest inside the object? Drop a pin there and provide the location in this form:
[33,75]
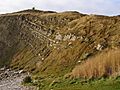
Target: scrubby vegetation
[103,65]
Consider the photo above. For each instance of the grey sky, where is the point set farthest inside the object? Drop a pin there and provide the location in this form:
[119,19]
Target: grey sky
[106,7]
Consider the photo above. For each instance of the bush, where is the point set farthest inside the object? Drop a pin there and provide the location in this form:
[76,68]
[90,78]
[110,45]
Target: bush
[27,79]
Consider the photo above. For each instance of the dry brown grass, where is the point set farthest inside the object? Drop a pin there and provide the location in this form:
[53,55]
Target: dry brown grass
[105,64]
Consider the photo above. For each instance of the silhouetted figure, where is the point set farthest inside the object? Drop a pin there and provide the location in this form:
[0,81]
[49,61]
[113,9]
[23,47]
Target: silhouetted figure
[33,8]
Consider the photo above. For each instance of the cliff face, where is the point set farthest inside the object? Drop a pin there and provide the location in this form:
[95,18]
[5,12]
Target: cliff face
[54,43]
[9,37]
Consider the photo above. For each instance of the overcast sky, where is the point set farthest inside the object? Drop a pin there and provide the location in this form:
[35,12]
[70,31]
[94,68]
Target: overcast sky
[106,7]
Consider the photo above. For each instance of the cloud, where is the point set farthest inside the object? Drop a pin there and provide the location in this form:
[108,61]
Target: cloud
[107,7]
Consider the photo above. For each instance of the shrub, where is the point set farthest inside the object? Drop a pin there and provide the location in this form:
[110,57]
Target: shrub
[103,65]
[27,79]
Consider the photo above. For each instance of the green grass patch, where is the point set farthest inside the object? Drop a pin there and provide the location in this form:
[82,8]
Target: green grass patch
[61,83]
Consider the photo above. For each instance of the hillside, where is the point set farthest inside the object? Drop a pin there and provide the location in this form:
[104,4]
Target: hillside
[51,43]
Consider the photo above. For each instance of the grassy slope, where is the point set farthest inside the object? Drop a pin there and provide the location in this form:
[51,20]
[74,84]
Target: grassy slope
[92,28]
[17,36]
